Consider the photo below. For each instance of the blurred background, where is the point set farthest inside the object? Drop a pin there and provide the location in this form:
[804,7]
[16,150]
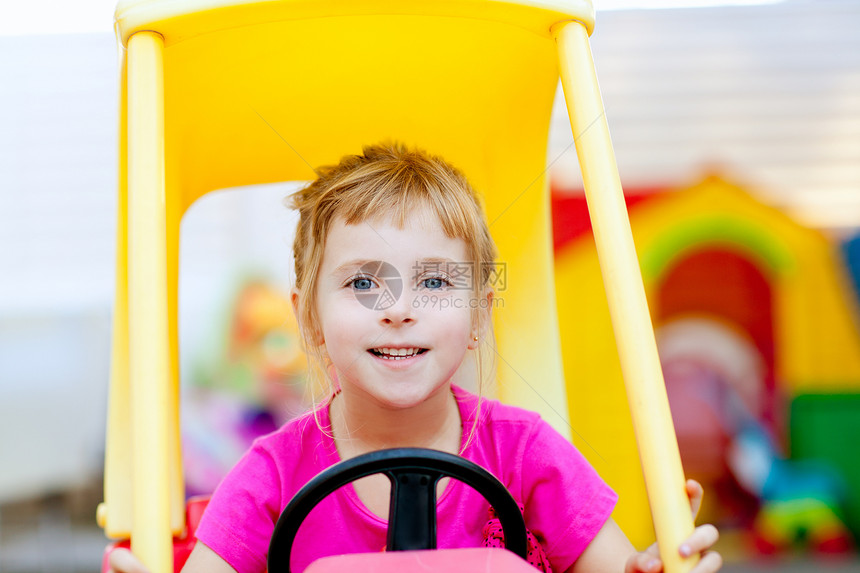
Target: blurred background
[737,131]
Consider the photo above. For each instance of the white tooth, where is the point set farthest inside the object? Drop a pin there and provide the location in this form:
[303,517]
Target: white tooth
[397,353]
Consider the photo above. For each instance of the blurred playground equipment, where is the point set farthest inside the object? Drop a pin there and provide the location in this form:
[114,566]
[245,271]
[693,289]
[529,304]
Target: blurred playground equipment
[757,324]
[250,381]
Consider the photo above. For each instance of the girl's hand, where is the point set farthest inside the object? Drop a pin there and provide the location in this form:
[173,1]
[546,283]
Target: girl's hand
[702,539]
[122,560]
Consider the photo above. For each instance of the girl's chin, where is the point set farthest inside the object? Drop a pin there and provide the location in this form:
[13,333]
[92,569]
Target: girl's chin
[402,396]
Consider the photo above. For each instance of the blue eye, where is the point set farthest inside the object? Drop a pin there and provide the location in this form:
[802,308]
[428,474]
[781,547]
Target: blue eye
[362,283]
[433,283]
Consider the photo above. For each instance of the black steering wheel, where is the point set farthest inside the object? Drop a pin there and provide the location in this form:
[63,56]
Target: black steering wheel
[414,473]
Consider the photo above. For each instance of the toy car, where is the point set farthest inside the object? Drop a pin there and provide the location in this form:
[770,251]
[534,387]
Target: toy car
[230,93]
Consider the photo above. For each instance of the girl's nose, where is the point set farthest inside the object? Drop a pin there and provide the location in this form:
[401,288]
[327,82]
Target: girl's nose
[398,313]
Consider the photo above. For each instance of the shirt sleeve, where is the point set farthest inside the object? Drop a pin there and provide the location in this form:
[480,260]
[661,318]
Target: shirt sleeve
[566,501]
[240,518]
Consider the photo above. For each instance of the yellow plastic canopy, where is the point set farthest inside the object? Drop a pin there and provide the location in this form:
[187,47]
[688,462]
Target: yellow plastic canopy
[218,94]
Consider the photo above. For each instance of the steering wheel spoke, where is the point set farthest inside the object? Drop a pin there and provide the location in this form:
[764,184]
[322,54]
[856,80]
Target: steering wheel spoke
[412,512]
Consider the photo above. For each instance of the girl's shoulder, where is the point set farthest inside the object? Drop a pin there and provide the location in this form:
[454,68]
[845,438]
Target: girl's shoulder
[496,432]
[493,430]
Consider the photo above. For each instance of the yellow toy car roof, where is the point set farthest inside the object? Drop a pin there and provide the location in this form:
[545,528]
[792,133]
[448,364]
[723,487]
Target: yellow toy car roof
[262,91]
[178,20]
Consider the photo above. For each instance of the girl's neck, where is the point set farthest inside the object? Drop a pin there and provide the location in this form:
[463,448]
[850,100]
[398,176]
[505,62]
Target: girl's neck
[360,426]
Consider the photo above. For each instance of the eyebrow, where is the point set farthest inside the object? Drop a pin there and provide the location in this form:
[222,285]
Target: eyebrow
[437,260]
[352,265]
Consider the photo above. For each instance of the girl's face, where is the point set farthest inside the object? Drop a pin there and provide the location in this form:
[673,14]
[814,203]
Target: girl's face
[395,308]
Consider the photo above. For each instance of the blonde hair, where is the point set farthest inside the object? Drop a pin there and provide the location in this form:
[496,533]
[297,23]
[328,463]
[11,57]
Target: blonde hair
[386,181]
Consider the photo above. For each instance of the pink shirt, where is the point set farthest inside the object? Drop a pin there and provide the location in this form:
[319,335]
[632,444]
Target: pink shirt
[566,503]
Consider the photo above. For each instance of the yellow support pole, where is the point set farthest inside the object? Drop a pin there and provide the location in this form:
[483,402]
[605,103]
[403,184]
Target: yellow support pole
[634,334]
[149,357]
[114,515]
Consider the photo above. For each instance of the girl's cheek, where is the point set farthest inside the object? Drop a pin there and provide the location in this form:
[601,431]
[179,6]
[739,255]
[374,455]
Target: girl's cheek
[442,303]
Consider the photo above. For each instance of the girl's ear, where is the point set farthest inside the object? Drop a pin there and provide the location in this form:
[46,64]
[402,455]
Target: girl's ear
[314,334]
[484,316]
[294,299]
[474,342]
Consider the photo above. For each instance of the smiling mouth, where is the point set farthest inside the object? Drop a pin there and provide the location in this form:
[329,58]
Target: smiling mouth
[396,353]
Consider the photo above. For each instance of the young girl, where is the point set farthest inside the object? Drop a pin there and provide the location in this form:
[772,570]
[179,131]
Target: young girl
[393,258]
